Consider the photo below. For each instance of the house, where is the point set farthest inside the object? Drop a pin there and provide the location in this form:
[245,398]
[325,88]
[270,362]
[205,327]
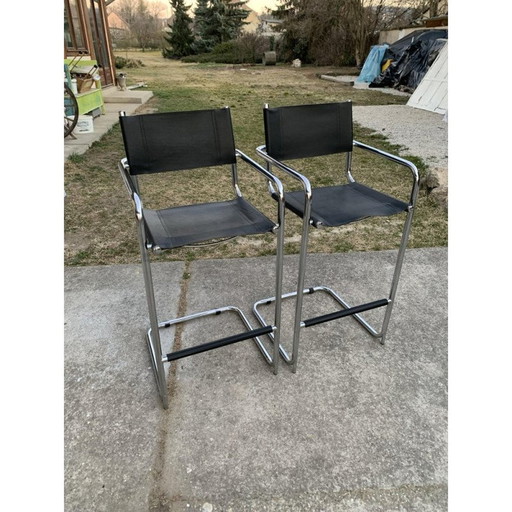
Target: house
[130,27]
[119,30]
[87,41]
[268,25]
[252,20]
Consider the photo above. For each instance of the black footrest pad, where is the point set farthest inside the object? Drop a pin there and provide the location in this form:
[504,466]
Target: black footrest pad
[219,343]
[345,312]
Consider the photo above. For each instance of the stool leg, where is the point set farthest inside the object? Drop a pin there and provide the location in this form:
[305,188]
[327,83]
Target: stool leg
[396,274]
[279,285]
[300,283]
[154,344]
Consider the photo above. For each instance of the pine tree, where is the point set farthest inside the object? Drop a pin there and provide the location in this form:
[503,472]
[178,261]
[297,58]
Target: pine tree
[202,18]
[237,15]
[201,15]
[219,26]
[179,34]
[217,21]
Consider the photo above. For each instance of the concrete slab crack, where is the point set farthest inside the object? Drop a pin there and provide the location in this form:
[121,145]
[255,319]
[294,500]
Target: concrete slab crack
[156,493]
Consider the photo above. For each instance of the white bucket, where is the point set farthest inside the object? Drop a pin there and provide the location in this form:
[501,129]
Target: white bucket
[84,125]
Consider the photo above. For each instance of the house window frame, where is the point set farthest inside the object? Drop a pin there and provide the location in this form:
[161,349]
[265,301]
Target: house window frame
[76,49]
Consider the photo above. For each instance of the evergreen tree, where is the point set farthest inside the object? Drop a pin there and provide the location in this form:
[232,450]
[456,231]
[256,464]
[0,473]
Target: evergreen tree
[202,18]
[237,15]
[217,21]
[295,40]
[179,34]
[219,25]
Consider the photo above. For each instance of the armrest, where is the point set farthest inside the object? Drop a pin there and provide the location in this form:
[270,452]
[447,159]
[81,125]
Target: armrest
[308,192]
[397,160]
[262,151]
[137,202]
[276,182]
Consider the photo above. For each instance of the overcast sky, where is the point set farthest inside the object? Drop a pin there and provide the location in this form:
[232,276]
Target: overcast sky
[259,5]
[255,5]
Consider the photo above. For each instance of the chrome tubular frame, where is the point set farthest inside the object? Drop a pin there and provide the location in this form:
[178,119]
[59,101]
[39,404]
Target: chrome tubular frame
[302,255]
[407,226]
[153,333]
[276,189]
[301,290]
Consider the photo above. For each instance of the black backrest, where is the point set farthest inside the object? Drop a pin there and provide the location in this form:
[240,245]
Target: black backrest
[174,141]
[308,130]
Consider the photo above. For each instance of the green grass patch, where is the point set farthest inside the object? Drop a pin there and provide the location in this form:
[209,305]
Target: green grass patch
[100,225]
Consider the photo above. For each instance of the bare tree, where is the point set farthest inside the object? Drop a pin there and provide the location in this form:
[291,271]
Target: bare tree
[335,31]
[364,19]
[142,19]
[433,7]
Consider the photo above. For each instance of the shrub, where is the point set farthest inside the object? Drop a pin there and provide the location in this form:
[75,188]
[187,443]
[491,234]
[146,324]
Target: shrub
[251,47]
[121,62]
[246,49]
[224,48]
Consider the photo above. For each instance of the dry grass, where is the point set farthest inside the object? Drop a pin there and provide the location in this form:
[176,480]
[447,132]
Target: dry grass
[99,220]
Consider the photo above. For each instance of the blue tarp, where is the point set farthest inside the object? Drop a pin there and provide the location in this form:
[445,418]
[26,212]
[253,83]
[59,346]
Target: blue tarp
[372,64]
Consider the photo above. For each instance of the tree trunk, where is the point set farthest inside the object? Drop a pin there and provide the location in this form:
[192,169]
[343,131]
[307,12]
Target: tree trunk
[433,9]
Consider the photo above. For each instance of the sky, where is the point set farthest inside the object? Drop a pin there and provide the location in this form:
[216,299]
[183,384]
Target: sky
[259,5]
[255,5]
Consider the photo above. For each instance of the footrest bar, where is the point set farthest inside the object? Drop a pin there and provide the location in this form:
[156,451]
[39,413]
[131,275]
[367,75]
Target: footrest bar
[218,343]
[216,311]
[345,312]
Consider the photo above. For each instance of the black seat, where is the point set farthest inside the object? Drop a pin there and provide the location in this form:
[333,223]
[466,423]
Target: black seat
[177,141]
[185,225]
[343,204]
[307,131]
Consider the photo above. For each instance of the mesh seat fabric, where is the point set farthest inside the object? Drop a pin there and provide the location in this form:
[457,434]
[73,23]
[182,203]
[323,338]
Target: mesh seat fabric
[338,205]
[184,225]
[171,141]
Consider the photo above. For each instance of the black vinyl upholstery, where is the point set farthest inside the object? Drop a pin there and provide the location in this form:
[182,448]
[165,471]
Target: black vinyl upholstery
[339,205]
[303,131]
[184,225]
[173,141]
[308,130]
[178,140]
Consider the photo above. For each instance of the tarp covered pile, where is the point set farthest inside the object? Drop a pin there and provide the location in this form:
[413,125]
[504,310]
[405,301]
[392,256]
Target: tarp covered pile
[404,63]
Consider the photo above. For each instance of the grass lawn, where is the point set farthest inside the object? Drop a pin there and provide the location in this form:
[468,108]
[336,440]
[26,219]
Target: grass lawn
[99,220]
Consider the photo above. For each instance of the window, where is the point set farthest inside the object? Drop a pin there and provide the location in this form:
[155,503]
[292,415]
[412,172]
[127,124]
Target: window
[74,32]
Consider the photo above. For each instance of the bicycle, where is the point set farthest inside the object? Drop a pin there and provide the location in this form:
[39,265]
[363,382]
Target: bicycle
[70,111]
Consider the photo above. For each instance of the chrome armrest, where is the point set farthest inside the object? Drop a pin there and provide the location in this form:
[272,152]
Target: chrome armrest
[276,185]
[308,192]
[261,150]
[397,160]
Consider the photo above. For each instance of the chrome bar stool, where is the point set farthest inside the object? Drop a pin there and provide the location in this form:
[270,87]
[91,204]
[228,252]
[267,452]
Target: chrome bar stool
[307,131]
[177,141]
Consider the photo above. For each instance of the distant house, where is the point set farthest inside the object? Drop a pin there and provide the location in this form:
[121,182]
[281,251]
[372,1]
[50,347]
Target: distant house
[268,25]
[119,30]
[87,37]
[252,20]
[115,22]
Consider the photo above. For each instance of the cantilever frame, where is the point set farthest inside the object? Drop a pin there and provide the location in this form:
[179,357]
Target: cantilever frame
[153,336]
[347,309]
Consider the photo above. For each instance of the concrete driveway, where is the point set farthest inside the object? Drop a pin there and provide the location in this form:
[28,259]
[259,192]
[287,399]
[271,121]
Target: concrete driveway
[359,427]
